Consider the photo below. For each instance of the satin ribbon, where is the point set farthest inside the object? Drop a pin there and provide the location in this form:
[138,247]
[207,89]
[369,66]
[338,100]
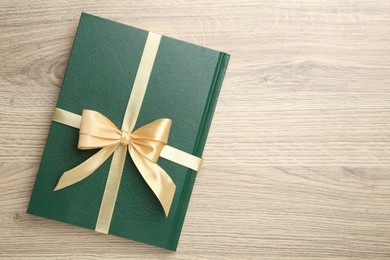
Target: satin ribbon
[145,145]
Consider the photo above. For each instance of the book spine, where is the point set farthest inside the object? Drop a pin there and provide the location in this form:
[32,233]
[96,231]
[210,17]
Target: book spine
[211,103]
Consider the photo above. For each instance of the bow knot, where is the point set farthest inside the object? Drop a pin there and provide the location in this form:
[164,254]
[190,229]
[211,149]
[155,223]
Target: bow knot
[125,137]
[144,145]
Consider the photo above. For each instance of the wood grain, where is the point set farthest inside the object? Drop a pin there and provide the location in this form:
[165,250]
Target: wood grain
[298,158]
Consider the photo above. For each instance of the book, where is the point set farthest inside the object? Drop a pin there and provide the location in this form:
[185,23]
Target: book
[184,85]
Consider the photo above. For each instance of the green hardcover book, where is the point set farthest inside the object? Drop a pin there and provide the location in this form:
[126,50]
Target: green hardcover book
[184,84]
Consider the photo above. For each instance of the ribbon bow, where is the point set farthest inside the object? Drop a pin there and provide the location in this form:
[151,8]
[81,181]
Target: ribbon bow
[144,146]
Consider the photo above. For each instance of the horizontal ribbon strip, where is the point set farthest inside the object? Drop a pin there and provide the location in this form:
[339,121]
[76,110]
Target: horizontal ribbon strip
[168,152]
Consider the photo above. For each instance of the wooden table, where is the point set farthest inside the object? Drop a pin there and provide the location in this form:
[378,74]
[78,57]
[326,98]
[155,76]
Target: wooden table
[298,157]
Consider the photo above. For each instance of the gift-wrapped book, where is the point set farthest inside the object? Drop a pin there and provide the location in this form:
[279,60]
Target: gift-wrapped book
[128,132]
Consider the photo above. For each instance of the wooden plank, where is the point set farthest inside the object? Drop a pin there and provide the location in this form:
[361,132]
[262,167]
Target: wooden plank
[297,160]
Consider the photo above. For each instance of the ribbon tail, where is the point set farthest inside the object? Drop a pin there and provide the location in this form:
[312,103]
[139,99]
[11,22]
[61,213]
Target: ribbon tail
[86,168]
[157,179]
[182,158]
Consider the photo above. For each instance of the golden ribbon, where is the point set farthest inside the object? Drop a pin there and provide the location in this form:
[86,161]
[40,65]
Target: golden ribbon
[145,145]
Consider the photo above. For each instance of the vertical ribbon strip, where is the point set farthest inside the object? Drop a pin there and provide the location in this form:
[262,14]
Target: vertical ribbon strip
[133,107]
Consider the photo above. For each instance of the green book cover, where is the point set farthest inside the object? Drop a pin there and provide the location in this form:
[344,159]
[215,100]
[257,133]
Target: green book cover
[184,86]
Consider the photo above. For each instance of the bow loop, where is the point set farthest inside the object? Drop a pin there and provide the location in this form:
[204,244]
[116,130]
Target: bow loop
[151,138]
[97,131]
[157,130]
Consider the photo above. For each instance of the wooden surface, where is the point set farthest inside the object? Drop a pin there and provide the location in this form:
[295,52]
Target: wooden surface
[298,157]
